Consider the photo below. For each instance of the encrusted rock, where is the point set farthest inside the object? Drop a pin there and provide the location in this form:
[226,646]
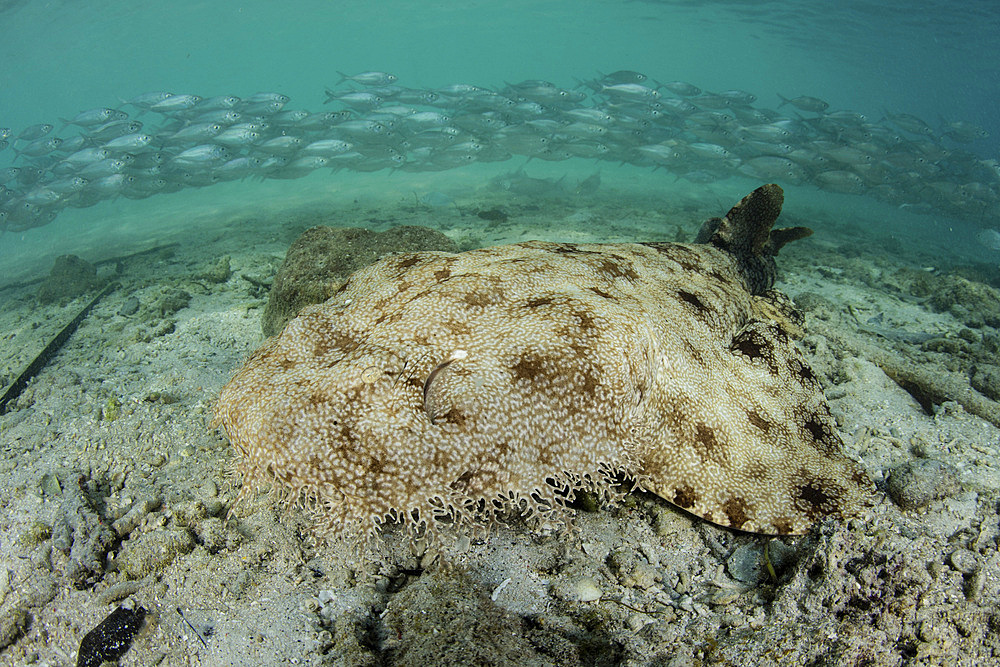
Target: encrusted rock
[964,561]
[70,277]
[578,589]
[985,378]
[972,302]
[218,272]
[749,563]
[80,533]
[321,258]
[213,535]
[12,623]
[153,551]
[632,570]
[443,620]
[917,483]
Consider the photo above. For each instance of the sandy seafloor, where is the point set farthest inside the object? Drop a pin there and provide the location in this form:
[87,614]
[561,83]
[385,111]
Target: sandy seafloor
[115,488]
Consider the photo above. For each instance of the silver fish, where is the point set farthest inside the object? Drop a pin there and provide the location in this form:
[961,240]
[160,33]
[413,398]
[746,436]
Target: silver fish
[240,167]
[552,96]
[220,116]
[360,129]
[175,103]
[289,117]
[590,115]
[805,103]
[459,89]
[964,132]
[739,97]
[146,101]
[840,181]
[326,148]
[217,103]
[86,156]
[258,98]
[110,185]
[39,147]
[67,185]
[681,88]
[237,136]
[283,145]
[369,78]
[129,142]
[629,91]
[113,129]
[359,100]
[197,133]
[101,168]
[94,117]
[262,109]
[43,196]
[771,168]
[33,132]
[910,123]
[202,154]
[623,76]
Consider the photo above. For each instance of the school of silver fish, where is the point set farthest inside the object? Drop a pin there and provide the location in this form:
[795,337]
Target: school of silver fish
[166,142]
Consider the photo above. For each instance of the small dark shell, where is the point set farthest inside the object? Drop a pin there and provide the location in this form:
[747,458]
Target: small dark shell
[111,638]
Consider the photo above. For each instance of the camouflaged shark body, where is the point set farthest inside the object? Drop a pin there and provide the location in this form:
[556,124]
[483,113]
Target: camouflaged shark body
[461,385]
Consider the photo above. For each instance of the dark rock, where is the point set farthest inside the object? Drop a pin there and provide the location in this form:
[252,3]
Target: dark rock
[946,345]
[129,307]
[916,484]
[171,302]
[111,638]
[319,261]
[973,303]
[985,378]
[219,272]
[80,533]
[70,277]
[494,215]
[753,563]
[446,619]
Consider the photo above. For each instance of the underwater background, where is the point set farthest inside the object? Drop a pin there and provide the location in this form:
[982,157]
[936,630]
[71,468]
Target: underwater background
[566,121]
[937,61]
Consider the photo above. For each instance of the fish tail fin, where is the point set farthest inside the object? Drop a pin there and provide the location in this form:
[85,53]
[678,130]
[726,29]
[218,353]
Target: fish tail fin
[746,233]
[343,78]
[784,100]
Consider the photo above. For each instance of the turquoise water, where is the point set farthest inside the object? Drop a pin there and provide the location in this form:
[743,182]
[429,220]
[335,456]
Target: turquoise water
[938,62]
